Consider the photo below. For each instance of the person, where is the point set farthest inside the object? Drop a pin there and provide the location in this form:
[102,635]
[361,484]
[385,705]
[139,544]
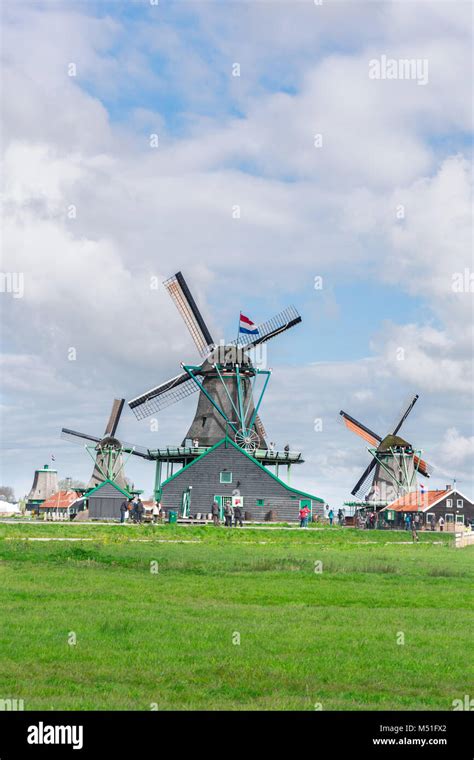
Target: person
[414,533]
[228,515]
[432,523]
[287,448]
[331,516]
[156,511]
[441,524]
[303,515]
[339,516]
[195,443]
[124,509]
[238,516]
[133,509]
[407,521]
[417,521]
[140,510]
[215,512]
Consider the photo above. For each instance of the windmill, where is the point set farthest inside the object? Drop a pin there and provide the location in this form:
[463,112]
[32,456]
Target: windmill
[226,378]
[107,451]
[394,463]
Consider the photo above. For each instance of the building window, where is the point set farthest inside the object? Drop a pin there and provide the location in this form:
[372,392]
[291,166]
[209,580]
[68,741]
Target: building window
[226,477]
[459,503]
[260,502]
[460,519]
[430,516]
[449,518]
[449,503]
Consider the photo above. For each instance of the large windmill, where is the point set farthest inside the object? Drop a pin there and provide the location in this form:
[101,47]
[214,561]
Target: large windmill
[394,465]
[108,451]
[226,378]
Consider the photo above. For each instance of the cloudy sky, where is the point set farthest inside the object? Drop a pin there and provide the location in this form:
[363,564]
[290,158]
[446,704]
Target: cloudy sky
[131,133]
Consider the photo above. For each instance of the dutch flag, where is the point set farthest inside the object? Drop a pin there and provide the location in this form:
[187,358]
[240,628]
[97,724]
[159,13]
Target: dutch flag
[247,326]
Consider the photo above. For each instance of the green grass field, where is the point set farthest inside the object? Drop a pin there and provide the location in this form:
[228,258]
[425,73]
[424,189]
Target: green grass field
[168,638]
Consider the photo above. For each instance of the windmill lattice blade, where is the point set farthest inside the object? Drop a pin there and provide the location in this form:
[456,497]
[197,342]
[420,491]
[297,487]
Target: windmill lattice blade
[362,486]
[79,438]
[405,415]
[115,415]
[281,322]
[186,305]
[357,427]
[138,451]
[260,428]
[423,467]
[163,395]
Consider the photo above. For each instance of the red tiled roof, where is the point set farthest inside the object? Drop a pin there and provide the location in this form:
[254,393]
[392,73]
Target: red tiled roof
[60,500]
[415,501]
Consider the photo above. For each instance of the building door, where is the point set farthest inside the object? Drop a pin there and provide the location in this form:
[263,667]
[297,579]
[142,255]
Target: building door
[222,501]
[307,503]
[186,503]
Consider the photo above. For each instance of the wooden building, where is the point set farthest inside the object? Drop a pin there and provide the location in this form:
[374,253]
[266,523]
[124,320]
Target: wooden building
[227,473]
[454,507]
[105,499]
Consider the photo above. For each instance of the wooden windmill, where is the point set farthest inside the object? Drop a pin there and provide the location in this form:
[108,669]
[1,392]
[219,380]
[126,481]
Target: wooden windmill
[394,464]
[226,378]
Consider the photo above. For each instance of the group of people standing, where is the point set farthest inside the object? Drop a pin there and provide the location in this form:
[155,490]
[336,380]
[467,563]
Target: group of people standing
[232,515]
[136,510]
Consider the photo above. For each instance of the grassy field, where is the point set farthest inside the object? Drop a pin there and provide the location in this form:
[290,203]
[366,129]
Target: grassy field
[157,613]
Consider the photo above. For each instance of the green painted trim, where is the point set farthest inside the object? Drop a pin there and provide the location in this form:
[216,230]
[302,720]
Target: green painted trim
[96,488]
[245,453]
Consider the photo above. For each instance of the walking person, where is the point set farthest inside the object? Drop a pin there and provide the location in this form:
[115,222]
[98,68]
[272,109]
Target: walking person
[156,511]
[441,524]
[331,516]
[124,509]
[215,512]
[238,517]
[228,515]
[140,510]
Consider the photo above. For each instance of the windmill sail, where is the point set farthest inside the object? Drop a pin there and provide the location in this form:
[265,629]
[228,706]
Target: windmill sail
[278,324]
[186,305]
[163,395]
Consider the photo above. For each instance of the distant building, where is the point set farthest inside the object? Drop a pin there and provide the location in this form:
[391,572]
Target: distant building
[62,503]
[225,473]
[105,499]
[449,503]
[45,483]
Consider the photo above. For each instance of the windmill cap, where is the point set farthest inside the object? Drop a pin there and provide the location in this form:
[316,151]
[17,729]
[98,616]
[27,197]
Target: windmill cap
[392,441]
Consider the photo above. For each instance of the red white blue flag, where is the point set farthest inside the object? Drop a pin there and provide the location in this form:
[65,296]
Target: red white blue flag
[247,326]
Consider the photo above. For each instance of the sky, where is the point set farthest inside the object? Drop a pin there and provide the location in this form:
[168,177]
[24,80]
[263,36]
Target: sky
[266,151]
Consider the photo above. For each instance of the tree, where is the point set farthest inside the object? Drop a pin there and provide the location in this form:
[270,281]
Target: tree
[69,484]
[7,493]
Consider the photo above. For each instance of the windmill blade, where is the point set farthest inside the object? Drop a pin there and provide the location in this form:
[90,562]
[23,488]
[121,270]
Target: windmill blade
[186,305]
[405,415]
[362,486]
[114,418]
[260,428]
[79,438]
[163,395]
[281,322]
[357,427]
[138,451]
[423,467]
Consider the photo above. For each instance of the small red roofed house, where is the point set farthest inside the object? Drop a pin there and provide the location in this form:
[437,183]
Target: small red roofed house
[448,503]
[61,504]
